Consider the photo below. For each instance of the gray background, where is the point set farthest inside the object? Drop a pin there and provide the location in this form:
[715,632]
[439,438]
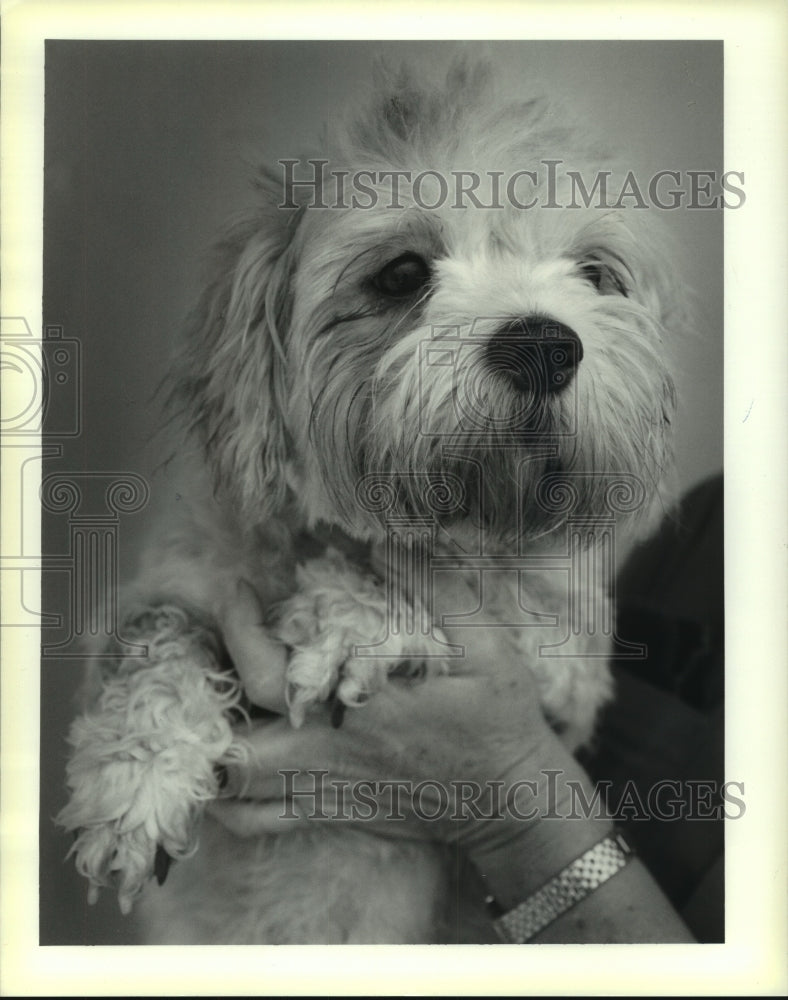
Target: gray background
[148,151]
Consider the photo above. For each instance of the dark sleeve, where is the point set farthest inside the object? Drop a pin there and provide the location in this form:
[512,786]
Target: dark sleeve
[659,755]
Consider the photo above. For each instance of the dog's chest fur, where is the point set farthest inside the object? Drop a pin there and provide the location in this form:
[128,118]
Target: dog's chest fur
[336,882]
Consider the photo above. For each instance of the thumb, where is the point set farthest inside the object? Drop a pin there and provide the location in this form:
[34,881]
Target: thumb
[259,659]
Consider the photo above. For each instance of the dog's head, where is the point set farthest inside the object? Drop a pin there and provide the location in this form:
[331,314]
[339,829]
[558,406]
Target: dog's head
[432,322]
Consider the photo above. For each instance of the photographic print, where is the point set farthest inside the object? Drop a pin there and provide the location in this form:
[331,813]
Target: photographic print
[375,424]
[443,309]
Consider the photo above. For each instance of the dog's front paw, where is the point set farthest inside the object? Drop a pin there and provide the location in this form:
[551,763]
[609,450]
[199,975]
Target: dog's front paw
[143,760]
[336,611]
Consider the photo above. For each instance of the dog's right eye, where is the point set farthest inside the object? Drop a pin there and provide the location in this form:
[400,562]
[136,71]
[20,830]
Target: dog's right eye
[402,276]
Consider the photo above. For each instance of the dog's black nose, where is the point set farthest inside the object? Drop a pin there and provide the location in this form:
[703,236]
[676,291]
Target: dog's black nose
[538,355]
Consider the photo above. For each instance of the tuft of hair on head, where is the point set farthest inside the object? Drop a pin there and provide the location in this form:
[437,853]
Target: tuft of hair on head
[408,109]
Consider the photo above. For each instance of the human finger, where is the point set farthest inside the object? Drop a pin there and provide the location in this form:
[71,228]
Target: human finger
[272,746]
[246,818]
[332,804]
[259,659]
[396,724]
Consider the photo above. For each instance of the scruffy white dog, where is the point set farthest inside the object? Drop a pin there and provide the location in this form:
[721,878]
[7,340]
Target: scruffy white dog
[396,351]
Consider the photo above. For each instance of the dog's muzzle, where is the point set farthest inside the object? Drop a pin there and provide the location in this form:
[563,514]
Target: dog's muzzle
[538,355]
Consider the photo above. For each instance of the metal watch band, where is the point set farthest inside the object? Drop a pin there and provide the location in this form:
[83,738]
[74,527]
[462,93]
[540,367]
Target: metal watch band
[561,893]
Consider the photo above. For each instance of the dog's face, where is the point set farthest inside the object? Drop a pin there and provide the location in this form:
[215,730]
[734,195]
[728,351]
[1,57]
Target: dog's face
[462,361]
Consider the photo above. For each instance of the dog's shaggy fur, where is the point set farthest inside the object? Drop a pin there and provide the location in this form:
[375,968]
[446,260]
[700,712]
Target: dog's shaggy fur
[303,380]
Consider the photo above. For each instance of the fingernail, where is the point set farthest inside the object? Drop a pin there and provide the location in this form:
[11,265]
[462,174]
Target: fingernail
[161,864]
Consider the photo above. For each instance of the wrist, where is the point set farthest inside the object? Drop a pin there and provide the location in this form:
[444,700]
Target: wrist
[544,824]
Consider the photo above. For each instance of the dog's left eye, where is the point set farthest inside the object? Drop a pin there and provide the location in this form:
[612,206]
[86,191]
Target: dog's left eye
[402,276]
[603,278]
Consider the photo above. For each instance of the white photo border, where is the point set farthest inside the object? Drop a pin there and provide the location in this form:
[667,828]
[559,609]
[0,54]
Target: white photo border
[753,960]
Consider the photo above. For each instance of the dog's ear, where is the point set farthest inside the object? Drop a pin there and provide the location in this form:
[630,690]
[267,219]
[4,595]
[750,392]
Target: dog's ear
[230,380]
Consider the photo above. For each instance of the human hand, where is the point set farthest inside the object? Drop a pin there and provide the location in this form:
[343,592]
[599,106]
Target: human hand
[478,725]
[415,750]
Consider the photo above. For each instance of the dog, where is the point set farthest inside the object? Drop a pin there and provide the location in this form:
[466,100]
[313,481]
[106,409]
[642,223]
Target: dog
[481,376]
